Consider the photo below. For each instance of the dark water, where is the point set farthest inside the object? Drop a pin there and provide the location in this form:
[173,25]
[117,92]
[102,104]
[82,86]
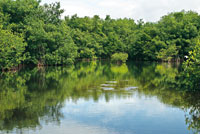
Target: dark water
[98,98]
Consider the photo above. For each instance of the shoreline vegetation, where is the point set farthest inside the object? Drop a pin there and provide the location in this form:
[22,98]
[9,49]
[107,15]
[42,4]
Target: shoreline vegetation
[35,34]
[32,33]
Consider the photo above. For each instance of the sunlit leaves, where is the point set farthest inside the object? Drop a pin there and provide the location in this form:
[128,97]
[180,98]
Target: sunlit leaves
[11,49]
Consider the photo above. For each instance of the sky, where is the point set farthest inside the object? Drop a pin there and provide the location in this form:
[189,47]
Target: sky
[148,10]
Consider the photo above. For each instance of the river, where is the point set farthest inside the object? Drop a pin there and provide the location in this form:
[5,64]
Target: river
[98,98]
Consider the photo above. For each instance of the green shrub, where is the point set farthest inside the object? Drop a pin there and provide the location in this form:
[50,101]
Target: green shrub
[168,54]
[12,49]
[119,57]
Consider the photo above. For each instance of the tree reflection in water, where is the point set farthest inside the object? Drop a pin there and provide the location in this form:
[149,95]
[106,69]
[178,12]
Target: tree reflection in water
[32,96]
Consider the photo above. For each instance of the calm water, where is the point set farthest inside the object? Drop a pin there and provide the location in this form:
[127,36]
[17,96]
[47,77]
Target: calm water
[97,98]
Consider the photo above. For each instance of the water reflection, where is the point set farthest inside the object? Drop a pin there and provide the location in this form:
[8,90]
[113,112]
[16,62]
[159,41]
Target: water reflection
[98,97]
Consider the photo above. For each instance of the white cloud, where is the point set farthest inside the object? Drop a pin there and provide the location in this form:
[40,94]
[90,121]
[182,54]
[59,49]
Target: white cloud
[113,109]
[149,10]
[70,127]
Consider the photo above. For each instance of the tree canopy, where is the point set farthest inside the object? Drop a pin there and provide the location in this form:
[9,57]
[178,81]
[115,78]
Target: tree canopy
[41,36]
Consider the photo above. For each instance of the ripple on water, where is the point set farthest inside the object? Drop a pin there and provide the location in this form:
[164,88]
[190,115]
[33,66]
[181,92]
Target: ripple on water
[130,88]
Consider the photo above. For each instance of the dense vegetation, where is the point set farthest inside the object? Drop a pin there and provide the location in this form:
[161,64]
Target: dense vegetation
[119,57]
[191,72]
[32,33]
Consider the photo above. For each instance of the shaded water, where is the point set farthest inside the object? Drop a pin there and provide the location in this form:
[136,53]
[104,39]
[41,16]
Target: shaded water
[97,98]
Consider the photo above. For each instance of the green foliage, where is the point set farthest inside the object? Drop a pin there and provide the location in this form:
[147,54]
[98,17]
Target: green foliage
[191,74]
[168,54]
[50,44]
[119,57]
[11,49]
[53,41]
[194,56]
[52,13]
